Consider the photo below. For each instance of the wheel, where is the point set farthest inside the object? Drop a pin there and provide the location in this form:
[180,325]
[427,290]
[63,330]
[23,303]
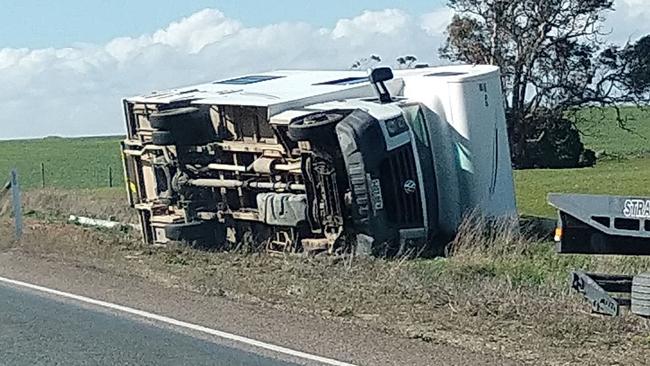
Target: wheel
[167,119]
[317,127]
[641,295]
[188,126]
[162,138]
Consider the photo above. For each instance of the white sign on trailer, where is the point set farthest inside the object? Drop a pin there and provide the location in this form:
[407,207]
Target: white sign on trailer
[636,208]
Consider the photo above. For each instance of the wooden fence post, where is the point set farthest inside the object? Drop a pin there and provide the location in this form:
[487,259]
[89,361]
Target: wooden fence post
[110,177]
[42,175]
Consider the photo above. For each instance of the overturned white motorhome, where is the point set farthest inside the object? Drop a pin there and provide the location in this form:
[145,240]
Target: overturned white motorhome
[321,160]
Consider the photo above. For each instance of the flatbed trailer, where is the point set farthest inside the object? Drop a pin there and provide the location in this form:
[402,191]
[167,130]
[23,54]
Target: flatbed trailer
[606,225]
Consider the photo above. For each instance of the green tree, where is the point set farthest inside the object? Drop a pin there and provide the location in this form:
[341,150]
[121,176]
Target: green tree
[365,62]
[406,62]
[553,59]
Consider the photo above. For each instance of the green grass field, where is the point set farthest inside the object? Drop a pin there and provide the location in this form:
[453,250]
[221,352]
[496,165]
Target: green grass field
[615,177]
[85,162]
[69,163]
[601,133]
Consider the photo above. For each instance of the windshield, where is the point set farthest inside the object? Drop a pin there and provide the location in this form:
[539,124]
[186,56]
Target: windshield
[417,121]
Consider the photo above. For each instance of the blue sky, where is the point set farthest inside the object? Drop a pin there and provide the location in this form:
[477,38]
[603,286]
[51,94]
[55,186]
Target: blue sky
[60,23]
[74,60]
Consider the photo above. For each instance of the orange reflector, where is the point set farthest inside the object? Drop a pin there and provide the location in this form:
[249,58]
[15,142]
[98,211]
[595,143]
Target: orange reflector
[558,233]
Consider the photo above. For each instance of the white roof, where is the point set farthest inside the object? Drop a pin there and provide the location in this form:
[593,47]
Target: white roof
[285,89]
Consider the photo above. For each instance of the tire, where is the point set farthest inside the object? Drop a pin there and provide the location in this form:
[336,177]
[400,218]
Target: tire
[641,295]
[162,138]
[167,119]
[188,126]
[317,127]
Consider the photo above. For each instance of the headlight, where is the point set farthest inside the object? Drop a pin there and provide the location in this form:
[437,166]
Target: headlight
[392,127]
[401,124]
[396,126]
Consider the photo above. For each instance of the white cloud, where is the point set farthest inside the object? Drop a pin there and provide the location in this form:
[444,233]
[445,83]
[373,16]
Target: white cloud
[435,23]
[629,21]
[386,22]
[77,90]
[195,32]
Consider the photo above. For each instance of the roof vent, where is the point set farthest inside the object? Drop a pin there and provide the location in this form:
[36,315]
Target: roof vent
[250,79]
[346,81]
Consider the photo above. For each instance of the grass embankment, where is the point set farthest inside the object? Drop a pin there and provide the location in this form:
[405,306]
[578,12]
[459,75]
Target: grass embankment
[499,293]
[58,204]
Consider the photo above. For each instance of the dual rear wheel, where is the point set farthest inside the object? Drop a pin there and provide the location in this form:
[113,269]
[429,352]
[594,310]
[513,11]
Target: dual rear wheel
[186,126]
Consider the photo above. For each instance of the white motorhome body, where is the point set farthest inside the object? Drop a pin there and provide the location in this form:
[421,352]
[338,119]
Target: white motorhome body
[472,150]
[456,127]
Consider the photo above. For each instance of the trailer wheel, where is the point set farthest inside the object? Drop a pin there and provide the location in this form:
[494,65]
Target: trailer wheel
[167,119]
[641,295]
[162,138]
[314,127]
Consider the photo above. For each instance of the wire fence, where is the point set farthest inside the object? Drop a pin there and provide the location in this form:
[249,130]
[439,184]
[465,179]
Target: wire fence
[69,163]
[70,176]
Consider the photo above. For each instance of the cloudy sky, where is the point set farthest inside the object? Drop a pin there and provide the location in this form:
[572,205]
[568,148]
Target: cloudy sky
[65,65]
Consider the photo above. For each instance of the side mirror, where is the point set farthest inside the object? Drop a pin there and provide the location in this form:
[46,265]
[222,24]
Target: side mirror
[377,77]
[381,74]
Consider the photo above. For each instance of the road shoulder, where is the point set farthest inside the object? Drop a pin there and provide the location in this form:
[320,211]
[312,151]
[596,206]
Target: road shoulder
[337,339]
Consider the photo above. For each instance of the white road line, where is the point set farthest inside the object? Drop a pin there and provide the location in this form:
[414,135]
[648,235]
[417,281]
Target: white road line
[178,323]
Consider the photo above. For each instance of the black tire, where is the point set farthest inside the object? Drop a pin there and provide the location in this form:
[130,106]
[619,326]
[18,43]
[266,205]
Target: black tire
[162,138]
[189,126]
[194,137]
[641,295]
[317,127]
[167,119]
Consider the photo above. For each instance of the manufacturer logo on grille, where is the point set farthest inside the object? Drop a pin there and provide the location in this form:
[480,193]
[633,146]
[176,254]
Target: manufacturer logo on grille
[410,186]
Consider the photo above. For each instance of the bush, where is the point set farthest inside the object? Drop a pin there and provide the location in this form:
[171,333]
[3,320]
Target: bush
[551,141]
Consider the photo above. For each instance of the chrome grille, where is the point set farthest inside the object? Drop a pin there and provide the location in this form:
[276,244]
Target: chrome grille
[403,207]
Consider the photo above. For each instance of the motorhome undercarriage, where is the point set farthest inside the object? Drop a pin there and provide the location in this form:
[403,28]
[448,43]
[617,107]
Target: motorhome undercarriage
[223,174]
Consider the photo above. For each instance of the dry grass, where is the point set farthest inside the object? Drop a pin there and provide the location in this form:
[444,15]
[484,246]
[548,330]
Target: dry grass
[104,203]
[501,291]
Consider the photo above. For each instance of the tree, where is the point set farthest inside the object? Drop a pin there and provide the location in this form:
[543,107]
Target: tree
[406,62]
[553,59]
[365,62]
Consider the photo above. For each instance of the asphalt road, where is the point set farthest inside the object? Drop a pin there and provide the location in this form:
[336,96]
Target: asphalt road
[37,329]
